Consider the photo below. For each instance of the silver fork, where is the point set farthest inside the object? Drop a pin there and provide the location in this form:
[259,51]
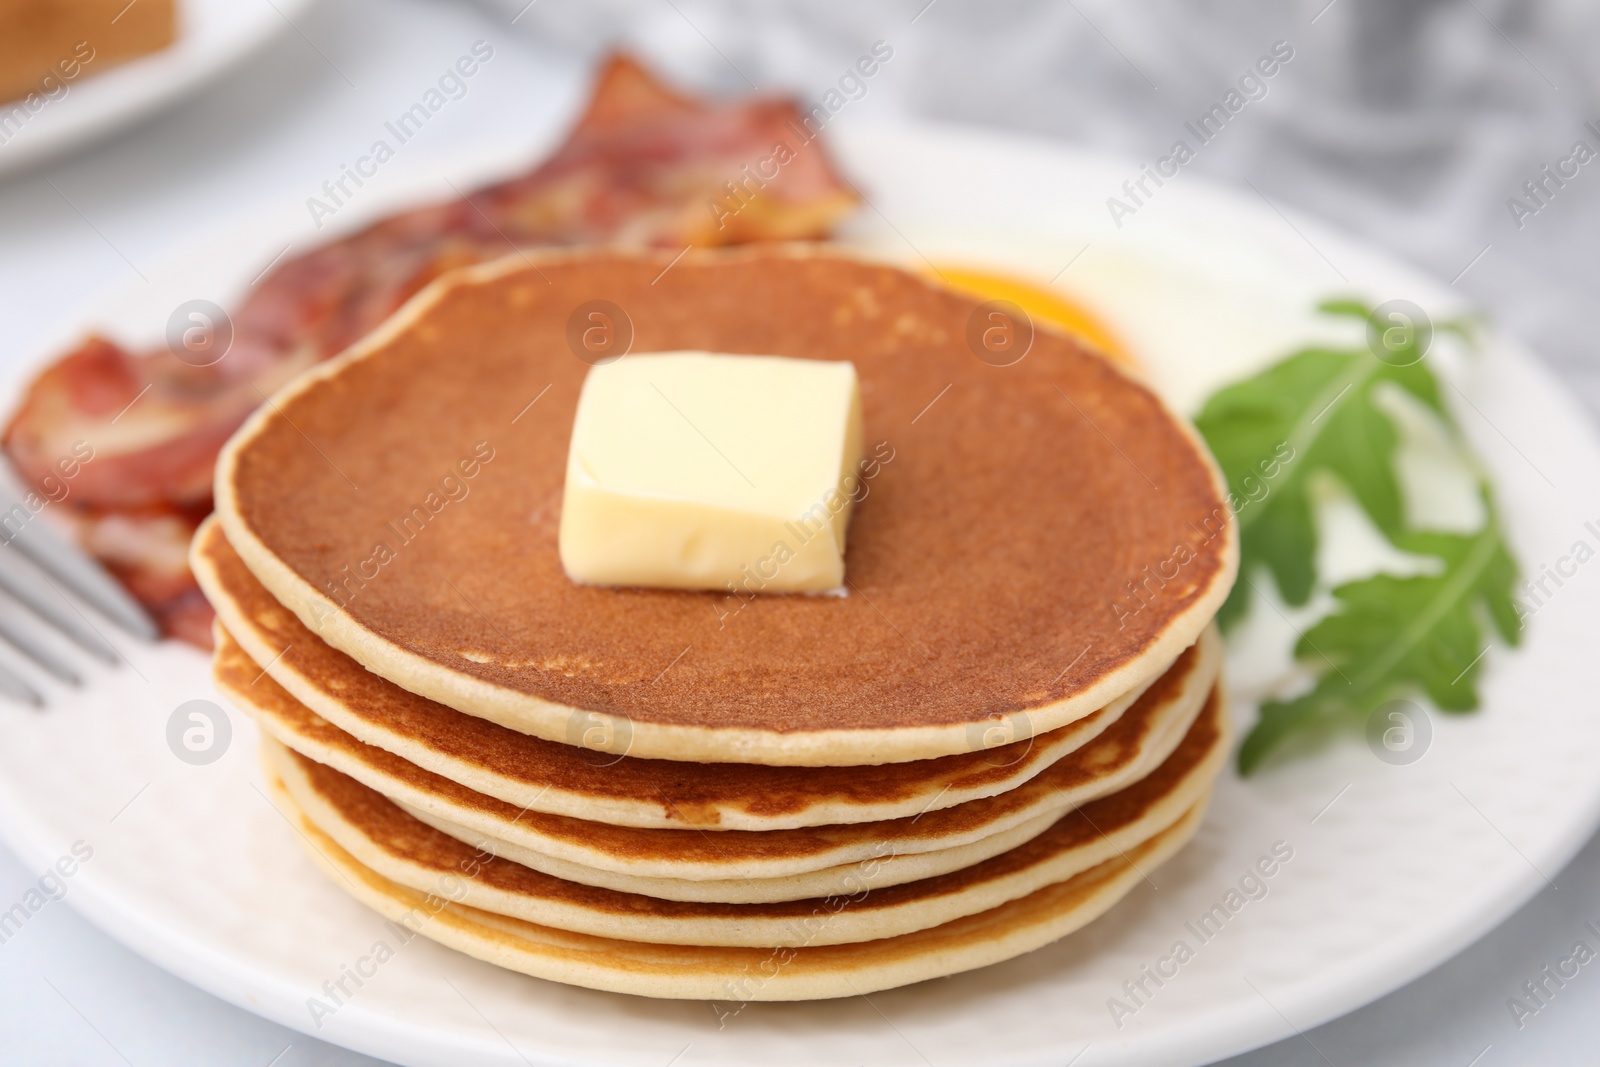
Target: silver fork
[44,579]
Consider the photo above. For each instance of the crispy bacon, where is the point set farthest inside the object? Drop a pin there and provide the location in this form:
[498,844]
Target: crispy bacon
[644,165]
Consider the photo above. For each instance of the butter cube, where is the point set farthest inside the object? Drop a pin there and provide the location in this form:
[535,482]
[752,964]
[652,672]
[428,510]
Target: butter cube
[696,470]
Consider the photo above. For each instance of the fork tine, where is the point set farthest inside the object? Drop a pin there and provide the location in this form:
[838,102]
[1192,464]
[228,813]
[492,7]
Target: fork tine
[53,607]
[16,633]
[73,568]
[54,557]
[12,685]
[85,577]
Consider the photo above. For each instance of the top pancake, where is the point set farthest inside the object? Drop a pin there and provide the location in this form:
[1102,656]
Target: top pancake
[990,566]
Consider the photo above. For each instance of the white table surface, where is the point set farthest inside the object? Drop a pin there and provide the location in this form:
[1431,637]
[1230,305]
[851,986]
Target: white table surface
[273,131]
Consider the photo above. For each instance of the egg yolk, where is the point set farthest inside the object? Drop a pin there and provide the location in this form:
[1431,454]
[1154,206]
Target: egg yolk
[1043,305]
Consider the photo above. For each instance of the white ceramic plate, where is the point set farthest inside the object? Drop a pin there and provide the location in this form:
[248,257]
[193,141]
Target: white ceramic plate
[212,35]
[1393,868]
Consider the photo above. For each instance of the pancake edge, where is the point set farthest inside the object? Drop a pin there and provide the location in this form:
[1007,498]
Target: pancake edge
[845,878]
[1159,743]
[634,812]
[739,976]
[742,925]
[844,881]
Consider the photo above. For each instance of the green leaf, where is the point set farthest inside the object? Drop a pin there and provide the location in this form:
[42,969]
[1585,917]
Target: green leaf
[1317,411]
[1314,411]
[1390,637]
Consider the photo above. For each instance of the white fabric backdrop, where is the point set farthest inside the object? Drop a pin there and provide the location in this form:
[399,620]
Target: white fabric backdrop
[1408,121]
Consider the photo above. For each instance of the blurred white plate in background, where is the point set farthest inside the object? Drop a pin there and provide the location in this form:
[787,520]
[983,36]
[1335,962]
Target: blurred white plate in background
[212,35]
[1393,869]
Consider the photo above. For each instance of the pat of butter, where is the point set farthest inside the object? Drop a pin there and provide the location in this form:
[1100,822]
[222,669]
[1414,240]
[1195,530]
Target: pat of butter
[694,470]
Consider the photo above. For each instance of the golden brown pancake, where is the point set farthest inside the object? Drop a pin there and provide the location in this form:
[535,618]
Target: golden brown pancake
[1046,537]
[846,878]
[1133,747]
[530,772]
[384,837]
[741,975]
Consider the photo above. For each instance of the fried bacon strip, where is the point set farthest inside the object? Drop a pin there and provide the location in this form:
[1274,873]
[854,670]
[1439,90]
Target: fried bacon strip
[643,166]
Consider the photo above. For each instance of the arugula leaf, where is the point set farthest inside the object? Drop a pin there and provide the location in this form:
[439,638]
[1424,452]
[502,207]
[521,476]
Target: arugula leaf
[1317,411]
[1314,411]
[1391,635]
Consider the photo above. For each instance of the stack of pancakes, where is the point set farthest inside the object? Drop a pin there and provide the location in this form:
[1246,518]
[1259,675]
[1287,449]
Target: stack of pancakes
[1012,715]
